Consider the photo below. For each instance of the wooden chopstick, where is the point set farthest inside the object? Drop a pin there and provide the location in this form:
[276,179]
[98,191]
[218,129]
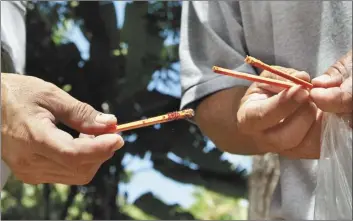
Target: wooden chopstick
[251,77]
[184,114]
[259,64]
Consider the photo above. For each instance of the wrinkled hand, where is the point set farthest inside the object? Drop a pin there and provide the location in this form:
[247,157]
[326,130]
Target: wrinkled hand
[35,149]
[332,91]
[281,121]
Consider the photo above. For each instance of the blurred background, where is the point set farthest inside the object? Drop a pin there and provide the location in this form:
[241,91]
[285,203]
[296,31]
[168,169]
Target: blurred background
[122,58]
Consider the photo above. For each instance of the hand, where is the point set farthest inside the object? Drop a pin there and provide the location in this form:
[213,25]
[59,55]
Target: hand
[332,91]
[281,121]
[35,149]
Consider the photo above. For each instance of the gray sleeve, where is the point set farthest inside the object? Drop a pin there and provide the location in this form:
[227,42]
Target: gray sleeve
[211,34]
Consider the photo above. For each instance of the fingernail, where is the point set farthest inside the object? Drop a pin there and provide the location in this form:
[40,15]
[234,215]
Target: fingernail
[106,119]
[301,96]
[119,144]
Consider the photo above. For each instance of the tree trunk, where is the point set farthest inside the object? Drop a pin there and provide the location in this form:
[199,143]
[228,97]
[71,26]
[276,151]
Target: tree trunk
[262,182]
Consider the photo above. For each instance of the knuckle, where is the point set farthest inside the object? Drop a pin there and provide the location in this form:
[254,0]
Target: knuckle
[340,67]
[51,87]
[82,110]
[47,92]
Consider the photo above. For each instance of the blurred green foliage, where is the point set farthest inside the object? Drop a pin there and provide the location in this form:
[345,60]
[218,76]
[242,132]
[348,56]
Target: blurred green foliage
[23,201]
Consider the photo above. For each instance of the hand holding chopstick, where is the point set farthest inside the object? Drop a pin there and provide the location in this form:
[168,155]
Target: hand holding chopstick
[286,122]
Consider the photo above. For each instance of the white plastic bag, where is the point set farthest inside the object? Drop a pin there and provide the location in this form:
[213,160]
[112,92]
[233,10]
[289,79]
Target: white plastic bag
[333,199]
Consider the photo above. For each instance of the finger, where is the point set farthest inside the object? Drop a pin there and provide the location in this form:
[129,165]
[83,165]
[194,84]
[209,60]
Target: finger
[257,115]
[336,74]
[309,148]
[333,99]
[326,81]
[64,149]
[101,147]
[293,129]
[78,115]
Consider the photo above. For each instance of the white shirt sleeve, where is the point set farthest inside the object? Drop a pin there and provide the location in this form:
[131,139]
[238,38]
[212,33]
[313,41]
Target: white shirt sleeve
[13,41]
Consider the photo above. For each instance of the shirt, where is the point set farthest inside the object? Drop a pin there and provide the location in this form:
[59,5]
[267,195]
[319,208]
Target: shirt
[13,46]
[304,35]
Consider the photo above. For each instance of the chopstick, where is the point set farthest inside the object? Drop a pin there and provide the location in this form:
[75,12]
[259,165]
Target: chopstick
[255,78]
[184,114]
[259,64]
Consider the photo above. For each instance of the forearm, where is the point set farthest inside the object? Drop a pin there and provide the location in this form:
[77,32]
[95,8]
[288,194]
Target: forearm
[205,41]
[216,116]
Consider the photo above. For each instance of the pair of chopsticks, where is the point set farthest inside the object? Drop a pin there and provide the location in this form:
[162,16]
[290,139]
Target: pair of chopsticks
[259,64]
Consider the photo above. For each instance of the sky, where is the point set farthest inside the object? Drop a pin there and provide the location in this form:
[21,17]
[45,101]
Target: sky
[145,178]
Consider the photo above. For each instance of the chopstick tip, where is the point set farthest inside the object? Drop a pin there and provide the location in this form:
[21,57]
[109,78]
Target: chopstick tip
[248,59]
[189,113]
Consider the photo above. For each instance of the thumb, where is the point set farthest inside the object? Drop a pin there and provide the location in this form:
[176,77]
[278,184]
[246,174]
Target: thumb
[84,118]
[79,115]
